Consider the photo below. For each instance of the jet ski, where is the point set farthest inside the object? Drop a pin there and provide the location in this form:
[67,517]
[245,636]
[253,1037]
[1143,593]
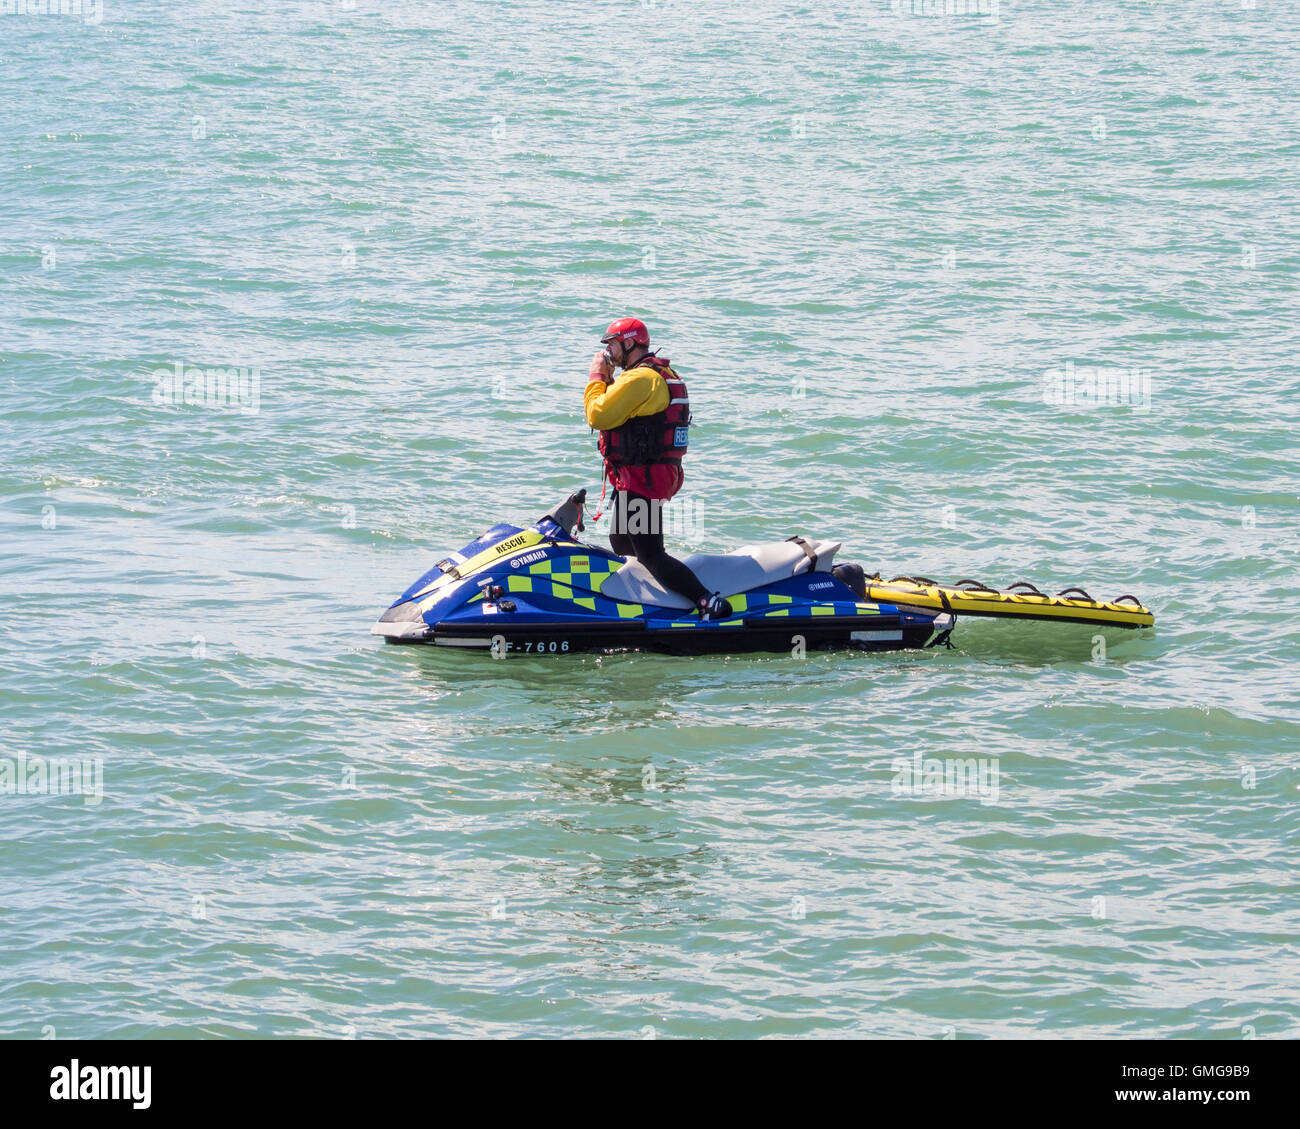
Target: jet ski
[544,591]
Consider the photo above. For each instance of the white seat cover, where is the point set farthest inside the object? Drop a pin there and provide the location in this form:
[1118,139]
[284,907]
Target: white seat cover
[750,566]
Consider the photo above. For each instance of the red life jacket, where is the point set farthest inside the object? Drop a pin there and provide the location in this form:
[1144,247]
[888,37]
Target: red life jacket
[646,441]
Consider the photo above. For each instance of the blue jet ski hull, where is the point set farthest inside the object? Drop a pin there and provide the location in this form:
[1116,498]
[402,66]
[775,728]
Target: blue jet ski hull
[540,591]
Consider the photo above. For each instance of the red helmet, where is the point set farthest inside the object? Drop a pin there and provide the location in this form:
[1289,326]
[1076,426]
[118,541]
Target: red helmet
[627,329]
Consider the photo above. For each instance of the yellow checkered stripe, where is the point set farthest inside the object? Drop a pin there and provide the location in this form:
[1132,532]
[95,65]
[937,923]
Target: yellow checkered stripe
[563,579]
[805,610]
[559,579]
[744,602]
[585,572]
[783,606]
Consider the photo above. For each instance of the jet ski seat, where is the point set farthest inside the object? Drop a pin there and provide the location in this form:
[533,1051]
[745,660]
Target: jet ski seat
[750,566]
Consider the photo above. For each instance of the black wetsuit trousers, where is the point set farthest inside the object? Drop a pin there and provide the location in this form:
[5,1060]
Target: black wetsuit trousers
[636,530]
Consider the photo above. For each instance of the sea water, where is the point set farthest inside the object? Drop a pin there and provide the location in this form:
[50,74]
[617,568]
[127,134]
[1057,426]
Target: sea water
[298,297]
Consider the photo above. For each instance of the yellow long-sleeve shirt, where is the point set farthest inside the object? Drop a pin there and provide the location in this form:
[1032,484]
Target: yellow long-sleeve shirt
[637,392]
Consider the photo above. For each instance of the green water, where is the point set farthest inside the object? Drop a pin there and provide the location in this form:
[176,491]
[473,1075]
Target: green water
[868,238]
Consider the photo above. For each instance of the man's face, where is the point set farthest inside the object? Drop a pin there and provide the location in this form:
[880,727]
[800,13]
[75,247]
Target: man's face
[615,348]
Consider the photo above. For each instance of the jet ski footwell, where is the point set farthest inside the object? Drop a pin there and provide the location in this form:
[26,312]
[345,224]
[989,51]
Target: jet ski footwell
[541,591]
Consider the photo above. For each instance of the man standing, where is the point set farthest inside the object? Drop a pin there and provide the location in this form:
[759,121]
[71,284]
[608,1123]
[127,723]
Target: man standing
[643,418]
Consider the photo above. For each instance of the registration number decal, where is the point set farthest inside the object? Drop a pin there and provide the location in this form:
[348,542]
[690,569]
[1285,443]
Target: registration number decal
[502,647]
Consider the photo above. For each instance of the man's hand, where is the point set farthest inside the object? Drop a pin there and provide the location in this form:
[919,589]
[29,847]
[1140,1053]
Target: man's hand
[601,368]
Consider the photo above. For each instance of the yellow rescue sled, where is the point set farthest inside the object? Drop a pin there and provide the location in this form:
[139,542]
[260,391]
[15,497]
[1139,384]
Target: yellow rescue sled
[1021,600]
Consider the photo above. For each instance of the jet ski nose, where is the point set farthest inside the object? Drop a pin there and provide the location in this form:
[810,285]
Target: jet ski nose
[402,621]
